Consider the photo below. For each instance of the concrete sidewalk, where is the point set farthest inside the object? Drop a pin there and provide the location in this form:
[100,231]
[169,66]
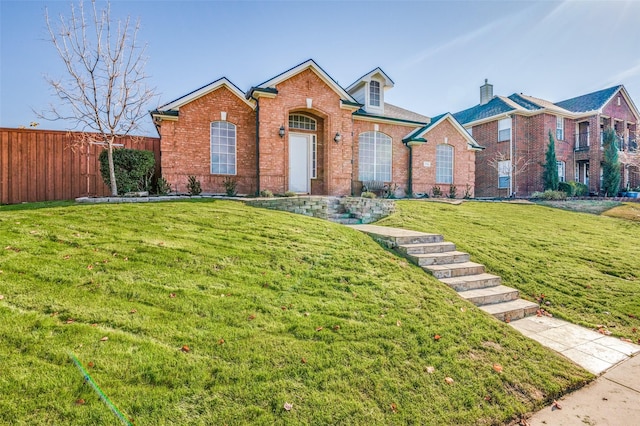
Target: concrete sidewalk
[589,349]
[613,399]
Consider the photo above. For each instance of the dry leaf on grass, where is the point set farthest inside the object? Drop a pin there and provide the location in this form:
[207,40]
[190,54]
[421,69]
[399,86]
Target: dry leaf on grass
[430,369]
[252,317]
[221,342]
[288,406]
[394,407]
[436,337]
[399,323]
[185,348]
[91,364]
[172,295]
[1,297]
[319,328]
[133,311]
[449,380]
[104,339]
[497,368]
[80,401]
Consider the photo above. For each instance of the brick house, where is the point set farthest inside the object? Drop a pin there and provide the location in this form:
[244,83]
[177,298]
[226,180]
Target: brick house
[301,131]
[515,132]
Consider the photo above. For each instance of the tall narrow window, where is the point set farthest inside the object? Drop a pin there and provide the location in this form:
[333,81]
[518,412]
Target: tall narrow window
[561,171]
[314,157]
[504,130]
[504,174]
[374,93]
[223,148]
[444,164]
[374,157]
[559,128]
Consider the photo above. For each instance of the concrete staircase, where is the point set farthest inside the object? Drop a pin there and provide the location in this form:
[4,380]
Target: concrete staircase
[454,268]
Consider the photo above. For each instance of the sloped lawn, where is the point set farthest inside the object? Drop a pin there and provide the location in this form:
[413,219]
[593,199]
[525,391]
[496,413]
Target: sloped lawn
[216,313]
[586,266]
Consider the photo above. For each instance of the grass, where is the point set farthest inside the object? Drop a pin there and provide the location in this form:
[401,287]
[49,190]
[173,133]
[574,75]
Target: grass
[585,265]
[629,211]
[246,290]
[583,206]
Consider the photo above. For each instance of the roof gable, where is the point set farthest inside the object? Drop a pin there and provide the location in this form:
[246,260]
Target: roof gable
[590,102]
[204,90]
[308,64]
[419,134]
[388,83]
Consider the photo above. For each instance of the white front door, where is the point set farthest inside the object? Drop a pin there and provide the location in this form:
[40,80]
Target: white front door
[299,179]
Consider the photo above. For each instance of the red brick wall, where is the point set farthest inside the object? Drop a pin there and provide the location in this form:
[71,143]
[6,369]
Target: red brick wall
[620,112]
[334,159]
[424,178]
[486,180]
[185,143]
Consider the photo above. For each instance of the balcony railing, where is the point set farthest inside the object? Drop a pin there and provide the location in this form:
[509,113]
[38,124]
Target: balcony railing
[582,141]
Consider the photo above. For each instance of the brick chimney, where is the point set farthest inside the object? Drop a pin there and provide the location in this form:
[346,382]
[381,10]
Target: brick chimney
[486,92]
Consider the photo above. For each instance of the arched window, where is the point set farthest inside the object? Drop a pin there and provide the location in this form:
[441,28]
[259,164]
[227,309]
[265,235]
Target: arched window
[374,157]
[374,93]
[301,122]
[444,164]
[223,148]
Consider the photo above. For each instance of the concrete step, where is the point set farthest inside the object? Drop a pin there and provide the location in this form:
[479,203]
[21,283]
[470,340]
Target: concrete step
[445,258]
[511,311]
[347,221]
[419,239]
[471,282]
[490,295]
[426,248]
[454,269]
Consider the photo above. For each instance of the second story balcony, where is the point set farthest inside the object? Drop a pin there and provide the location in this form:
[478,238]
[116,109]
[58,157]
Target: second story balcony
[582,141]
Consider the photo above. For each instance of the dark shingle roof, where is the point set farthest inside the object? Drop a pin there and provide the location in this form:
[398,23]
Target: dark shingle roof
[589,102]
[525,103]
[494,107]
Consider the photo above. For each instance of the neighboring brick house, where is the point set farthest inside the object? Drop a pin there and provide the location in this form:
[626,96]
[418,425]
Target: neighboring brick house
[515,132]
[300,131]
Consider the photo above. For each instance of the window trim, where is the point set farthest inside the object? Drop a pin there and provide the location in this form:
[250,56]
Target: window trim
[304,122]
[451,163]
[562,168]
[378,95]
[504,171]
[227,125]
[503,128]
[559,128]
[376,163]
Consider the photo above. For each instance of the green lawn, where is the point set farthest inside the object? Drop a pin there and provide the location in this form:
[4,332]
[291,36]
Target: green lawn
[587,266]
[246,290]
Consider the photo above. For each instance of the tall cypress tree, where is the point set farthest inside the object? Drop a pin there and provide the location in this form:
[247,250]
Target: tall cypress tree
[550,174]
[610,165]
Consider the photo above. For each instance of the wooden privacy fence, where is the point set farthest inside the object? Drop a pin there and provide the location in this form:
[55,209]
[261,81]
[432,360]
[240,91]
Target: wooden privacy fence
[48,165]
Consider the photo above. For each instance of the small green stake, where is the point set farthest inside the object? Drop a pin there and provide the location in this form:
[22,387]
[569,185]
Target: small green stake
[96,388]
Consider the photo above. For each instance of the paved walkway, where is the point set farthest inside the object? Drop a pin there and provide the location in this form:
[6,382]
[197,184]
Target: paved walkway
[589,349]
[613,399]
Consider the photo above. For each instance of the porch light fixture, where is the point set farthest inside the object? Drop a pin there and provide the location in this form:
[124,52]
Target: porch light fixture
[281,131]
[338,137]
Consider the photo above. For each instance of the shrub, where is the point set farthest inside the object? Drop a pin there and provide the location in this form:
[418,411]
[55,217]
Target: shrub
[193,186]
[550,195]
[467,192]
[289,194]
[266,193]
[133,169]
[452,191]
[436,191]
[567,188]
[579,189]
[230,185]
[162,186]
[368,194]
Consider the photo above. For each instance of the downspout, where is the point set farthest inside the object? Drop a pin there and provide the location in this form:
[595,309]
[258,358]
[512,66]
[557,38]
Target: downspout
[257,144]
[410,177]
[512,175]
[514,152]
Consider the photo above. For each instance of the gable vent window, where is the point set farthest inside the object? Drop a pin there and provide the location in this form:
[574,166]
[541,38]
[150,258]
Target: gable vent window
[301,122]
[374,93]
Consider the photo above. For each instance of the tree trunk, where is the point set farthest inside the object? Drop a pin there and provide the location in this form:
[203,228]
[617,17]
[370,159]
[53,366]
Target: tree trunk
[112,170]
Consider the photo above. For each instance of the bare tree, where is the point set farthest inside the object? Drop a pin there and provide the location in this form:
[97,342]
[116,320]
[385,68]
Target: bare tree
[519,165]
[105,89]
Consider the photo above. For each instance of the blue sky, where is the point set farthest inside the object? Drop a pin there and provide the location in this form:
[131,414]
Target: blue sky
[437,53]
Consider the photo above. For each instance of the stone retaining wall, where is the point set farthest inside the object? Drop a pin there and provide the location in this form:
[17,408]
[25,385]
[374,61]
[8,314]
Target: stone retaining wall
[308,206]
